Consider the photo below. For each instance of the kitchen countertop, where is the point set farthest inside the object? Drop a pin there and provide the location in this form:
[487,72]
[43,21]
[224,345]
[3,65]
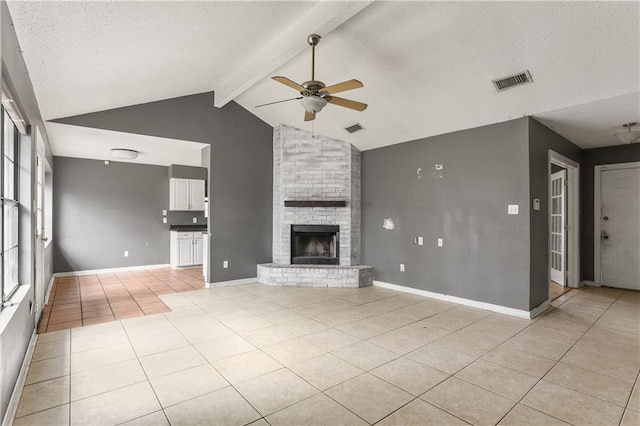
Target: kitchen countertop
[188,228]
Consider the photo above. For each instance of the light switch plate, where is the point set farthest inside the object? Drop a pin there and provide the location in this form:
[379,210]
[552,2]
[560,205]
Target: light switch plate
[164,220]
[402,267]
[420,241]
[225,263]
[195,220]
[440,242]
[126,253]
[164,212]
[512,209]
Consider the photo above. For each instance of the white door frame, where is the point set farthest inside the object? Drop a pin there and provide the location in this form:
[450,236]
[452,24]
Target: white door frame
[572,218]
[38,246]
[597,212]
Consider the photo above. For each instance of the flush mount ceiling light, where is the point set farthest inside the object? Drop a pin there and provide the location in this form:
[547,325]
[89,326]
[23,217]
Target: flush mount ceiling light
[630,136]
[127,154]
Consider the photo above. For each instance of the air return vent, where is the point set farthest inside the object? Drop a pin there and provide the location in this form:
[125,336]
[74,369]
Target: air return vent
[355,128]
[512,81]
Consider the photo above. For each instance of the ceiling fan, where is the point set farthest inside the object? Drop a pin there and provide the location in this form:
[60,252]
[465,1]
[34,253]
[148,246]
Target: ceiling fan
[315,94]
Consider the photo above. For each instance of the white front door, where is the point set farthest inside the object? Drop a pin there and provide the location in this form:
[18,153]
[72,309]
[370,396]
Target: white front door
[558,221]
[620,228]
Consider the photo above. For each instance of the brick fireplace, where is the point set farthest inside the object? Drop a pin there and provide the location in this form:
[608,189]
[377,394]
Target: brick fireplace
[316,183]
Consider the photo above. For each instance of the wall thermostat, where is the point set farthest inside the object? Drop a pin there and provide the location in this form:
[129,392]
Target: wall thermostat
[536,204]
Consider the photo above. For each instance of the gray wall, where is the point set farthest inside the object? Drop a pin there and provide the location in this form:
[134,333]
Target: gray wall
[240,172]
[541,140]
[486,252]
[102,210]
[187,172]
[590,159]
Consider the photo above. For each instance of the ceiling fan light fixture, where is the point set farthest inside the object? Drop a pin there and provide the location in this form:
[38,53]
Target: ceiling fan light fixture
[630,136]
[125,154]
[313,103]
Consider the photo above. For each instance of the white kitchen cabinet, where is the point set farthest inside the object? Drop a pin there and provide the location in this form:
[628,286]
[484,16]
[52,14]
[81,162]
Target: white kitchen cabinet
[186,248]
[205,256]
[198,250]
[196,194]
[186,194]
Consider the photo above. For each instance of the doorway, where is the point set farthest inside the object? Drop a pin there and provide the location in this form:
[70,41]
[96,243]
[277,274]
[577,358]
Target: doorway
[563,214]
[42,231]
[617,225]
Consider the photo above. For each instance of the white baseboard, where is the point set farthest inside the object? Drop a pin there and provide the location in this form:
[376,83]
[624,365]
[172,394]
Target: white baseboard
[49,287]
[466,302]
[12,408]
[539,309]
[232,282]
[587,283]
[110,270]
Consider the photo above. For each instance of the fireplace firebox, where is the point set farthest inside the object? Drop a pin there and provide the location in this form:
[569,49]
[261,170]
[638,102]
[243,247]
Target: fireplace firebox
[315,244]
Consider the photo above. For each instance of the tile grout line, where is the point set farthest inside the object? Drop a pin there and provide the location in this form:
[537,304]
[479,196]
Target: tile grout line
[556,362]
[559,360]
[145,375]
[626,407]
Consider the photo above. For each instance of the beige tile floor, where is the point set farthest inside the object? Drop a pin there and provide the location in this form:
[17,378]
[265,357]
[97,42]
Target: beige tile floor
[261,355]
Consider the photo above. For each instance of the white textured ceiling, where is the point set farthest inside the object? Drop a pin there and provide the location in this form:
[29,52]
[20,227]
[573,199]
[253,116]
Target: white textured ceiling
[427,66]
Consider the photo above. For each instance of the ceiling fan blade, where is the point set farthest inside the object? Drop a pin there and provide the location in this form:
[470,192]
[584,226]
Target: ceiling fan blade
[287,82]
[347,103]
[343,87]
[277,102]
[309,116]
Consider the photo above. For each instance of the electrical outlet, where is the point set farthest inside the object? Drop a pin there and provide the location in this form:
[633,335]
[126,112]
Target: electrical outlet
[440,242]
[126,253]
[512,209]
[195,220]
[402,267]
[420,241]
[225,263]
[164,212]
[164,220]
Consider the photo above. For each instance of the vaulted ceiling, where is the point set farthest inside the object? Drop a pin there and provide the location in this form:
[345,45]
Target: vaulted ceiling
[426,66]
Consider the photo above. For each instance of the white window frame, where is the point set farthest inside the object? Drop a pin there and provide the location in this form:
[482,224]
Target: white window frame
[5,293]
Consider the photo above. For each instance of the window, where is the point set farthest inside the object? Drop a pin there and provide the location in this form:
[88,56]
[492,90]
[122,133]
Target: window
[9,208]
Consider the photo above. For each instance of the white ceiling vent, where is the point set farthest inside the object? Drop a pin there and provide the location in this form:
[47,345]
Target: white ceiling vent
[514,80]
[355,128]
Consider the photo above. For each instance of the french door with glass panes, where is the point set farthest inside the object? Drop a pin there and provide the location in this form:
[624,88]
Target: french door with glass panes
[558,246]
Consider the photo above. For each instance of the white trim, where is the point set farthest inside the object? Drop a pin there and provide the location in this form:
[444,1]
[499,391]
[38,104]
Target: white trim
[12,408]
[466,302]
[539,309]
[232,282]
[110,270]
[46,296]
[9,104]
[572,218]
[597,203]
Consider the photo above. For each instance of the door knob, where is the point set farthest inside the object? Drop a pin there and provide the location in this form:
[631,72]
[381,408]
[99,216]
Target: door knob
[604,236]
[605,218]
